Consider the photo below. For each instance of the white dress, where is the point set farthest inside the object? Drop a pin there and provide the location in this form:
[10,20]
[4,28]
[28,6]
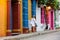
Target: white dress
[33,21]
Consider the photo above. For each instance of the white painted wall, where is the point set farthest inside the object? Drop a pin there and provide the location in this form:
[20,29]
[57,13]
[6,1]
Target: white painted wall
[57,18]
[40,27]
[38,18]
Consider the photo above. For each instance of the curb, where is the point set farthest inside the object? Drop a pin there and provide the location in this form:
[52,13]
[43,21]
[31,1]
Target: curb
[24,36]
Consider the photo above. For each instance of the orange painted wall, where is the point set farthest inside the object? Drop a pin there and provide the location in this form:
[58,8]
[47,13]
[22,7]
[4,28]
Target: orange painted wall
[21,23]
[3,17]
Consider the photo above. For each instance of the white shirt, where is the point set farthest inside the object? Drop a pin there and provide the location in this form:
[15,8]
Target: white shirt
[33,21]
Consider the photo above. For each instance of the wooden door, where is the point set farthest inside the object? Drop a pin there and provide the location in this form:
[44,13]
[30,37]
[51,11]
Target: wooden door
[15,16]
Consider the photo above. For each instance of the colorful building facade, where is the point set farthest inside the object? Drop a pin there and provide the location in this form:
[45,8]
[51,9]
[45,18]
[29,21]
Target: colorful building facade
[16,14]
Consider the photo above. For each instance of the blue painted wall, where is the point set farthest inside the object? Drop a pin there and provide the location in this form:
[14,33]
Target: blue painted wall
[33,7]
[25,13]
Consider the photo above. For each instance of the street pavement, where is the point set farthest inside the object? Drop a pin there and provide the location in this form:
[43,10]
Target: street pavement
[50,36]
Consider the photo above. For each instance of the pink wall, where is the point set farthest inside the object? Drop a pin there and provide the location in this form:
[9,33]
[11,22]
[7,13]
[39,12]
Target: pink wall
[51,19]
[42,15]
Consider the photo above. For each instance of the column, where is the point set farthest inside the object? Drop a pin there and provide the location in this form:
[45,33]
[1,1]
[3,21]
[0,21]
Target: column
[9,18]
[3,17]
[29,13]
[21,17]
[42,15]
[25,16]
[34,7]
[38,18]
[52,19]
[33,11]
[48,19]
[29,10]
[43,19]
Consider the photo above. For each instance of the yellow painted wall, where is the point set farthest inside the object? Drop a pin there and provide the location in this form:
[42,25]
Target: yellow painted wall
[29,10]
[21,23]
[3,15]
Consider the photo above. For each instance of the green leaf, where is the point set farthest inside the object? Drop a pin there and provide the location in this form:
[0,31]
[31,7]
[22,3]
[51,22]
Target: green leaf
[52,3]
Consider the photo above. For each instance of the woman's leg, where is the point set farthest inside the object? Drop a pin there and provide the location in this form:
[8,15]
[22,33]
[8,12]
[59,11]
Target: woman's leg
[33,29]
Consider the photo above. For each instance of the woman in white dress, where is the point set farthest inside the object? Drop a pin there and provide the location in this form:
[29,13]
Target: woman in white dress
[33,24]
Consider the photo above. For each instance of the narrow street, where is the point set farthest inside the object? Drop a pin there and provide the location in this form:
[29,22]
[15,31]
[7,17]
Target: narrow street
[51,36]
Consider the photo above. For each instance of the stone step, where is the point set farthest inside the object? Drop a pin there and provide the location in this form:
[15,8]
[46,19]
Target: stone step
[14,34]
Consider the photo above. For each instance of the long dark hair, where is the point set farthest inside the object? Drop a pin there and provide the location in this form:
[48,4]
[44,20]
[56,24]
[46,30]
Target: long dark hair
[34,16]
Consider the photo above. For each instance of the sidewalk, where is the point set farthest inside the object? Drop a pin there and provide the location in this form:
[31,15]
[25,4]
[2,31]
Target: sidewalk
[22,36]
